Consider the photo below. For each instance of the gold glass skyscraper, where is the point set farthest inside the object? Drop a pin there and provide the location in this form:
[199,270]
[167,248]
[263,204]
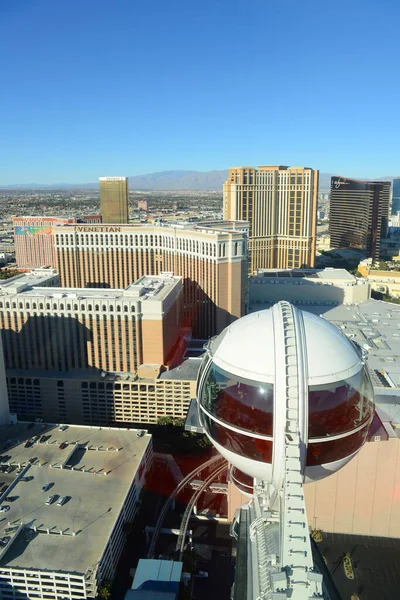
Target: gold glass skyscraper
[280,204]
[114,199]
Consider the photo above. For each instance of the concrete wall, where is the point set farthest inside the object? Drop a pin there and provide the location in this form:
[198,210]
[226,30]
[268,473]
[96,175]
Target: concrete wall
[294,291]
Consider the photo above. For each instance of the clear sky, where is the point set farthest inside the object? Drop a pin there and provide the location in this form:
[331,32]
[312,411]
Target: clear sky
[126,87]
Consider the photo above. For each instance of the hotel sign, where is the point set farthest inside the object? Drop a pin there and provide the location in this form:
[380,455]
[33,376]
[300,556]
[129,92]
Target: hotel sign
[338,182]
[351,184]
[99,228]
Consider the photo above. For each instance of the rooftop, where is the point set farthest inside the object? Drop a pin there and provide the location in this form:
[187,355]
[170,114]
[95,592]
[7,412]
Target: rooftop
[145,288]
[99,466]
[187,370]
[36,277]
[212,228]
[339,275]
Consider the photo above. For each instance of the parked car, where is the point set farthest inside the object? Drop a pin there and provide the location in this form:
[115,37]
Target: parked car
[4,508]
[63,427]
[62,500]
[202,574]
[10,469]
[33,459]
[4,541]
[28,444]
[63,445]
[50,500]
[46,487]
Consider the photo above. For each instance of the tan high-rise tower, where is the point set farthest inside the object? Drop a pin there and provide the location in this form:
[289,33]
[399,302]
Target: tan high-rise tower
[114,199]
[280,204]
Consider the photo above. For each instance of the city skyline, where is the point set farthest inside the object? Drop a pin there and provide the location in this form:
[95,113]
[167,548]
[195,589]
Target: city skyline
[176,102]
[161,180]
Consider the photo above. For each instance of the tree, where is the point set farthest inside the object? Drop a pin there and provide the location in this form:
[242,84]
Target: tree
[8,273]
[105,591]
[170,422]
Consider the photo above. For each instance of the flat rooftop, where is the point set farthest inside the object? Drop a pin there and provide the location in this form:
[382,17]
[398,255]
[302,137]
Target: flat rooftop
[323,274]
[152,287]
[188,369]
[212,228]
[104,461]
[145,288]
[31,279]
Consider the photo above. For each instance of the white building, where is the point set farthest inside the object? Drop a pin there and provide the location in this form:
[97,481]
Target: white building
[302,286]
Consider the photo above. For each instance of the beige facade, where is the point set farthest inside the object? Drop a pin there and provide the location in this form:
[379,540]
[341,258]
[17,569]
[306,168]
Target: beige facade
[93,400]
[114,199]
[280,204]
[212,260]
[58,329]
[306,286]
[363,497]
[386,282]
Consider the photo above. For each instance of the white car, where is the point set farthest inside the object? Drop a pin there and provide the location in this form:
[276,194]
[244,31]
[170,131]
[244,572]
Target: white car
[202,574]
[4,508]
[62,428]
[62,500]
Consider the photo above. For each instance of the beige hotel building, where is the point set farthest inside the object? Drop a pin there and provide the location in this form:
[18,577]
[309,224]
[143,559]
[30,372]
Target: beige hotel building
[93,356]
[280,204]
[64,329]
[210,258]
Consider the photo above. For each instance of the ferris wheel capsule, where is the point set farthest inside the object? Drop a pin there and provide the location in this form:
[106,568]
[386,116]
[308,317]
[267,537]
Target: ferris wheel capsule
[245,376]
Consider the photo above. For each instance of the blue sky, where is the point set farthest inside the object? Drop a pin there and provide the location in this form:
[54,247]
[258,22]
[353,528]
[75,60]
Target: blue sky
[124,87]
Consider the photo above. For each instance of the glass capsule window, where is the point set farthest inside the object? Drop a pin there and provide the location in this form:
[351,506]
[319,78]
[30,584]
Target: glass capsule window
[251,448]
[242,403]
[340,407]
[319,453]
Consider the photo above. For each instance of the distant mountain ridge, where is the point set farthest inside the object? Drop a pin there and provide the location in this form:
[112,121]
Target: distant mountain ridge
[174,180]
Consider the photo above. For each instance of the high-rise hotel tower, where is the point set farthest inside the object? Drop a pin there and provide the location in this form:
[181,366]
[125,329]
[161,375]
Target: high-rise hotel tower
[211,259]
[359,214]
[114,199]
[280,204]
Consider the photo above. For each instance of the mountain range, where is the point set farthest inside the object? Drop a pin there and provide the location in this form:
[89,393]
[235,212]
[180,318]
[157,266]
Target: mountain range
[171,180]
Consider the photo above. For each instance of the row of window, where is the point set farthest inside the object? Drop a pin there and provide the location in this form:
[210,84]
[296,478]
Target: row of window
[137,241]
[89,307]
